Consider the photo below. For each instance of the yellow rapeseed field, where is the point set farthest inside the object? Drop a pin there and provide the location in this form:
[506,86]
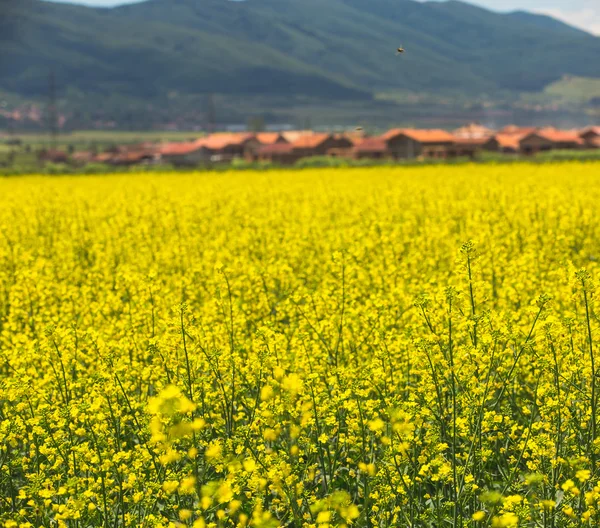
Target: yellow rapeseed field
[361,347]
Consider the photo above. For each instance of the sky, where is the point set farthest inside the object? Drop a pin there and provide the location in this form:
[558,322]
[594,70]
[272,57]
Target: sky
[580,13]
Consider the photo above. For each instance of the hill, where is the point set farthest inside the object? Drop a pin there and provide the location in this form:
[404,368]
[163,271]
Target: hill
[322,50]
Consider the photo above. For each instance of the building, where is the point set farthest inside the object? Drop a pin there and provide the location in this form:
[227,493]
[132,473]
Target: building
[319,144]
[407,143]
[464,147]
[371,148]
[185,154]
[549,139]
[292,136]
[133,158]
[505,143]
[215,148]
[279,153]
[306,145]
[226,147]
[591,137]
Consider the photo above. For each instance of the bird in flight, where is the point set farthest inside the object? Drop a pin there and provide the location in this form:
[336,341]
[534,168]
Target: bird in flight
[399,50]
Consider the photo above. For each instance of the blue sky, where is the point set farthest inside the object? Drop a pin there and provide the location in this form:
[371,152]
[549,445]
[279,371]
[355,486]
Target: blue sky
[581,13]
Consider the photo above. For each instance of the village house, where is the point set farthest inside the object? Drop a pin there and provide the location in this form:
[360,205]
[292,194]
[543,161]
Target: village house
[291,136]
[467,147]
[549,139]
[185,154]
[133,158]
[53,156]
[318,144]
[279,153]
[410,143]
[371,148]
[504,143]
[591,137]
[215,148]
[305,145]
[229,146]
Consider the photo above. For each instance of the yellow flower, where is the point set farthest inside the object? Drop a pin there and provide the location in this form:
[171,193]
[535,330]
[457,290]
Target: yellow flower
[323,517]
[249,465]
[376,425]
[582,475]
[507,520]
[266,393]
[213,451]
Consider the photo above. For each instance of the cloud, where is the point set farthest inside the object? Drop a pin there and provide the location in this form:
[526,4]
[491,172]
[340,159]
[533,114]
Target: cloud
[587,19]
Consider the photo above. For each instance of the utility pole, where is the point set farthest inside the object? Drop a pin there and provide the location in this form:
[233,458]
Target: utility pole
[52,110]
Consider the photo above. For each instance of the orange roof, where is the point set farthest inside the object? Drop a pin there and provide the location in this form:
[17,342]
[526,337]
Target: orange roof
[557,136]
[293,135]
[179,149]
[311,141]
[422,136]
[220,141]
[373,144]
[508,140]
[473,130]
[268,138]
[594,130]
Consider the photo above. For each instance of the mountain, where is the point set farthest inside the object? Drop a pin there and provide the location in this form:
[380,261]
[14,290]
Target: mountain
[316,49]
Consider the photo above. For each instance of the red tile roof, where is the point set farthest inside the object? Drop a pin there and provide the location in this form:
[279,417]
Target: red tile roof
[422,136]
[510,141]
[293,135]
[269,138]
[373,144]
[595,130]
[220,141]
[311,141]
[213,142]
[557,136]
[179,149]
